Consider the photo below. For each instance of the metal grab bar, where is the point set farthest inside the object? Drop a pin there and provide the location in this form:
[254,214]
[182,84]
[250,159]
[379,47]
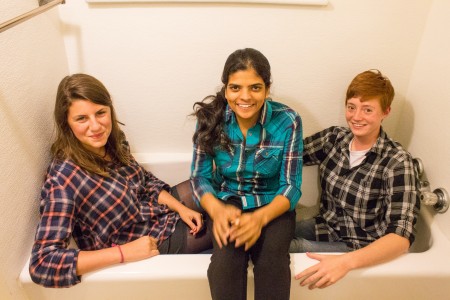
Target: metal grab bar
[17,20]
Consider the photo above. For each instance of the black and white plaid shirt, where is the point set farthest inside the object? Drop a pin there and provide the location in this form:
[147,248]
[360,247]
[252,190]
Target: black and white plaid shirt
[361,204]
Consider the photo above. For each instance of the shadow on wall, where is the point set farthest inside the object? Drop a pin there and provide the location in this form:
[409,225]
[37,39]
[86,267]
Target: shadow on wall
[73,32]
[405,125]
[400,124]
[311,122]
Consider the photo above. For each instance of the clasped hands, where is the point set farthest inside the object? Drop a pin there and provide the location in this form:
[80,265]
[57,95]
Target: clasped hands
[232,225]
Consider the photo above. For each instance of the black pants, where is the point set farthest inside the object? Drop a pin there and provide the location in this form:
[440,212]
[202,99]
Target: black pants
[227,272]
[181,241]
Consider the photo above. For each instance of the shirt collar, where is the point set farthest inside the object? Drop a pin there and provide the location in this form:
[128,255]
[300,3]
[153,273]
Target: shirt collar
[380,144]
[378,147]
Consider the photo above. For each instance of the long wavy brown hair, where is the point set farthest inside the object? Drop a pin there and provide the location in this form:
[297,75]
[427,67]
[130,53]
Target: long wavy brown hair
[67,146]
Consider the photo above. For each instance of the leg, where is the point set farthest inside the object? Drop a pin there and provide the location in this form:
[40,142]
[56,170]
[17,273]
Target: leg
[271,259]
[300,245]
[306,229]
[227,272]
[176,243]
[202,241]
[183,193]
[305,240]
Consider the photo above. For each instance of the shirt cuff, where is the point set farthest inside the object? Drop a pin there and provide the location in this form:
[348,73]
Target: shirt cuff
[292,193]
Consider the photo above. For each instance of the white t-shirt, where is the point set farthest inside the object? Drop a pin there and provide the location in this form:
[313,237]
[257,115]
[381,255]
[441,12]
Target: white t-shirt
[356,157]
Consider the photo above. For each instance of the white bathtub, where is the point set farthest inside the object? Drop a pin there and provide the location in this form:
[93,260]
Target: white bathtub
[422,274]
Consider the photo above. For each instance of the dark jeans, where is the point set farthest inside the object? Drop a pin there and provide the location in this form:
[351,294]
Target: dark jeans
[305,240]
[227,272]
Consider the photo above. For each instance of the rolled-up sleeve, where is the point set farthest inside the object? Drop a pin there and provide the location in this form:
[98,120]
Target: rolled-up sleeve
[315,147]
[201,174]
[291,168]
[403,210]
[52,264]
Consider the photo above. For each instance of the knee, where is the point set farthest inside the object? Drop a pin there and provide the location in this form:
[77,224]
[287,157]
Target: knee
[227,263]
[275,263]
[299,245]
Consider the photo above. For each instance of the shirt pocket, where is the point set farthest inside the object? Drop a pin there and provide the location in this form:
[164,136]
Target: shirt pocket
[268,161]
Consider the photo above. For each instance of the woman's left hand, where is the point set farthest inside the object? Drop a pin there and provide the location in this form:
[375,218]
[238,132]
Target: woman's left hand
[246,230]
[192,219]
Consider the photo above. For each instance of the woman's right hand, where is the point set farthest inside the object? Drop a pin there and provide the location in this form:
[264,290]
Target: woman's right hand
[139,249]
[223,219]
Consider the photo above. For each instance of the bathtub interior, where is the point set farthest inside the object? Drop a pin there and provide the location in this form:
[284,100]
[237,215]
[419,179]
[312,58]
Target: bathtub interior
[172,168]
[412,276]
[423,239]
[423,273]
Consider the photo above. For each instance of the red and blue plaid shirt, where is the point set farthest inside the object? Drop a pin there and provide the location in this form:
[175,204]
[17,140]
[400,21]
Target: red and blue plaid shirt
[97,212]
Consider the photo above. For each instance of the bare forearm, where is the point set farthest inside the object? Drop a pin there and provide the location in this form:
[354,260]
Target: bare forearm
[89,261]
[382,250]
[141,248]
[167,199]
[277,207]
[211,204]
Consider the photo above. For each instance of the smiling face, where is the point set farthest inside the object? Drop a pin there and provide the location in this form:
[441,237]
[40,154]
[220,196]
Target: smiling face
[364,119]
[91,124]
[245,93]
